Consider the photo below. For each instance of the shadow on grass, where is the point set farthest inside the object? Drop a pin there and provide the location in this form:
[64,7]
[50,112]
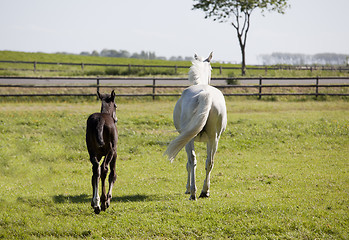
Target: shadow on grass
[84,198]
[143,198]
[133,198]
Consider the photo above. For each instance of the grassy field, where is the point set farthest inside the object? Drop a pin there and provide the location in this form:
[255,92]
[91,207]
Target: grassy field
[10,69]
[281,172]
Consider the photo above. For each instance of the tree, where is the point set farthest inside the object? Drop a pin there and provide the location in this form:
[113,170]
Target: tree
[94,53]
[238,13]
[303,59]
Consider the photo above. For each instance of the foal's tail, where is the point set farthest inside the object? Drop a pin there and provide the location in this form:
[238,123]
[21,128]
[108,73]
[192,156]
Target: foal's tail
[194,127]
[100,126]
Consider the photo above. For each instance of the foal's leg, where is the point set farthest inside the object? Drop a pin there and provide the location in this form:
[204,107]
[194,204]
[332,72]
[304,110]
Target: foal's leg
[211,150]
[104,173]
[96,173]
[191,167]
[112,178]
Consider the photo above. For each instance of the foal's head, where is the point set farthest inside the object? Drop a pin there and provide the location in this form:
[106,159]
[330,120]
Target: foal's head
[108,104]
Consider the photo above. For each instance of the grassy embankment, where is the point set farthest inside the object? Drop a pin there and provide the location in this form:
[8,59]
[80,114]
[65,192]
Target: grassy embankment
[63,70]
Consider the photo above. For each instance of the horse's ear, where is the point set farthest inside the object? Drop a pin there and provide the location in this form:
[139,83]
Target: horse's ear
[99,95]
[209,58]
[196,56]
[112,95]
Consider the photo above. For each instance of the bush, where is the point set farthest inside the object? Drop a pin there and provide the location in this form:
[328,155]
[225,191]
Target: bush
[94,73]
[232,80]
[112,71]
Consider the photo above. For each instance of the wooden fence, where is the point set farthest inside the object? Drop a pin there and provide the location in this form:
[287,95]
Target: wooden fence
[260,85]
[175,67]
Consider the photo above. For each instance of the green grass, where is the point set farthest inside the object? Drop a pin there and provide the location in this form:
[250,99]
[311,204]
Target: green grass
[281,172]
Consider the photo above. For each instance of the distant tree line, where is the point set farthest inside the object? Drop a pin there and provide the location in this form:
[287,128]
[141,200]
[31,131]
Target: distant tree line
[126,54]
[304,59]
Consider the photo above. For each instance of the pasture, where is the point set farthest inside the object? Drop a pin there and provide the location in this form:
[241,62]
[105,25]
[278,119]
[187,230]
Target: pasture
[281,172]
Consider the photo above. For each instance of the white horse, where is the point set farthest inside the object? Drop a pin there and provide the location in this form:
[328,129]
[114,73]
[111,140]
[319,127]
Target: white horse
[199,115]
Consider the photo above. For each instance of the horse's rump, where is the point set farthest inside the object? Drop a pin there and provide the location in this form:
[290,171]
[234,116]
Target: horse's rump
[100,129]
[193,107]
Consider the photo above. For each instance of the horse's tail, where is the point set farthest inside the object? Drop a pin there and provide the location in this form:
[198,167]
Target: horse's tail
[100,126]
[194,127]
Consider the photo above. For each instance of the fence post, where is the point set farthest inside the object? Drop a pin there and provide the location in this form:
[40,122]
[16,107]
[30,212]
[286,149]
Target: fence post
[266,70]
[153,89]
[97,86]
[260,88]
[175,69]
[82,66]
[317,86]
[35,66]
[220,70]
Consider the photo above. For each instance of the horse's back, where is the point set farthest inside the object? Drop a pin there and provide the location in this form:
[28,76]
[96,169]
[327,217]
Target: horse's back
[191,93]
[95,118]
[190,98]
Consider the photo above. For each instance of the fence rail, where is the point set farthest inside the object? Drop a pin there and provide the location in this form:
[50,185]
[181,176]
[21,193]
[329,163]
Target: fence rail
[175,67]
[260,84]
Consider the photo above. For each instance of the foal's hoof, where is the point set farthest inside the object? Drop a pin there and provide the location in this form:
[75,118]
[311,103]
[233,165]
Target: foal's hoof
[204,195]
[192,198]
[97,210]
[105,205]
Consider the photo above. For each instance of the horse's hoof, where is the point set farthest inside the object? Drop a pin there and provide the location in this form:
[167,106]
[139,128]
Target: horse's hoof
[103,208]
[107,204]
[187,192]
[204,195]
[97,210]
[192,198]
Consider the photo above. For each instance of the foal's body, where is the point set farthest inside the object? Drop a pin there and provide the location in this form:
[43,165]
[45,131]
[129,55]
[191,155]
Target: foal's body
[199,115]
[101,141]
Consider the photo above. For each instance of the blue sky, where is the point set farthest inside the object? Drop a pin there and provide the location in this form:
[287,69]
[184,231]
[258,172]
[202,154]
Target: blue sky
[169,28]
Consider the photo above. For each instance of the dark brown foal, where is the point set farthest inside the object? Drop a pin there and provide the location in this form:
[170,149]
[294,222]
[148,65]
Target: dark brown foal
[101,141]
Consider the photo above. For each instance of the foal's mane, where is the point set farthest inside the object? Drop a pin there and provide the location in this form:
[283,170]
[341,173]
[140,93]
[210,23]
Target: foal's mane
[200,71]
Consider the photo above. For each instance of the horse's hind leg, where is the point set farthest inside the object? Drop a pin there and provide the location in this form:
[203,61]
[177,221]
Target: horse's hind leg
[211,150]
[104,173]
[112,179]
[96,173]
[191,167]
[188,181]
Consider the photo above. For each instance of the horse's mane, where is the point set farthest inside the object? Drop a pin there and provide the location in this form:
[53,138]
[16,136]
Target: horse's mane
[200,72]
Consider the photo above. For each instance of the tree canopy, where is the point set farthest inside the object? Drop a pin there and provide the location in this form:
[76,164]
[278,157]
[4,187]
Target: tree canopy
[231,10]
[238,13]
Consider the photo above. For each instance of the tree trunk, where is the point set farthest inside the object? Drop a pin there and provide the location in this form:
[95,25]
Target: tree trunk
[243,59]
